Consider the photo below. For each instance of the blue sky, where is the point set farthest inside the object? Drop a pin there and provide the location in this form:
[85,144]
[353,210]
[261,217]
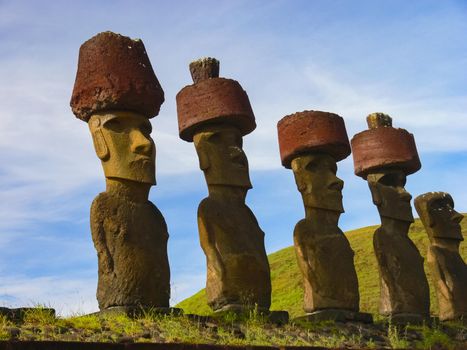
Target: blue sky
[407,59]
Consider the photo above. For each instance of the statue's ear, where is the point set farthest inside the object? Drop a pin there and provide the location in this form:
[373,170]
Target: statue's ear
[203,156]
[375,193]
[428,216]
[98,139]
[296,168]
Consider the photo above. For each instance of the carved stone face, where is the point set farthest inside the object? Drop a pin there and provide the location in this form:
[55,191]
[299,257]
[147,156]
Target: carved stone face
[389,194]
[315,175]
[221,156]
[436,210]
[445,220]
[123,143]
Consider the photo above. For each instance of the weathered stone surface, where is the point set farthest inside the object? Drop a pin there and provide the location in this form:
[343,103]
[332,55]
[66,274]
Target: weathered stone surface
[383,147]
[130,237]
[384,156]
[377,120]
[114,73]
[323,252]
[449,271]
[129,232]
[311,142]
[312,131]
[204,68]
[338,315]
[60,345]
[123,144]
[116,91]
[403,284]
[215,100]
[238,276]
[215,113]
[139,311]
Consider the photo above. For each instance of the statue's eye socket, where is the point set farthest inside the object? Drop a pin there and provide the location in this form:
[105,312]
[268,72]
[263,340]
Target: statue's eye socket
[311,166]
[394,180]
[214,137]
[114,125]
[440,205]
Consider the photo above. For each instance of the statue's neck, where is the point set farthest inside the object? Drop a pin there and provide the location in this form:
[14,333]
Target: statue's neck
[227,193]
[395,226]
[132,190]
[322,217]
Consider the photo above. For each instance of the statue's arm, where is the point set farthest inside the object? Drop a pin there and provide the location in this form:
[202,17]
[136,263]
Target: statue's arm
[305,260]
[99,237]
[207,233]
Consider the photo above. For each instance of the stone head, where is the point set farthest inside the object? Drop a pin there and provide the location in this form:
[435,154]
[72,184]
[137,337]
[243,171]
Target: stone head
[124,145]
[389,195]
[221,156]
[441,221]
[315,176]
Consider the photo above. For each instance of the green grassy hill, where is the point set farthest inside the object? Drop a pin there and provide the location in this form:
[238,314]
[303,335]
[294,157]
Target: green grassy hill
[287,291]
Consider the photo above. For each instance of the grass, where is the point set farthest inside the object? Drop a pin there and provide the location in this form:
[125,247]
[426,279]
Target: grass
[252,329]
[287,290]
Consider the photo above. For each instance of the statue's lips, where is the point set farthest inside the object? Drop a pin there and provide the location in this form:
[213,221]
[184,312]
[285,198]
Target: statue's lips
[239,163]
[143,161]
[405,198]
[239,160]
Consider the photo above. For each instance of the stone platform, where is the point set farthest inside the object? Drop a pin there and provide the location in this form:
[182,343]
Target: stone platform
[56,345]
[336,315]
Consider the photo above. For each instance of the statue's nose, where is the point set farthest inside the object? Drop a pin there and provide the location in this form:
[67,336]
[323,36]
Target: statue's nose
[457,217]
[404,195]
[238,156]
[337,185]
[140,144]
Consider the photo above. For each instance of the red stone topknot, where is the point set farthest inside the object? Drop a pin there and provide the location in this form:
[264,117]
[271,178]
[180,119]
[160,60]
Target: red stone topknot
[114,73]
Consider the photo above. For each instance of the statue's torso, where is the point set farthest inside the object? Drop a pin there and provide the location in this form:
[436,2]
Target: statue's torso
[238,269]
[450,280]
[326,261]
[404,287]
[131,242]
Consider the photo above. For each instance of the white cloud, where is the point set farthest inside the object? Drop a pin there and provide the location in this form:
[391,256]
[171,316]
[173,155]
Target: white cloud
[67,294]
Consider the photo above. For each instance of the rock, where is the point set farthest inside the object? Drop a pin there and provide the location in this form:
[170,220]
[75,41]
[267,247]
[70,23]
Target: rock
[442,224]
[384,147]
[215,100]
[384,156]
[215,113]
[312,132]
[311,142]
[14,332]
[116,90]
[204,68]
[114,73]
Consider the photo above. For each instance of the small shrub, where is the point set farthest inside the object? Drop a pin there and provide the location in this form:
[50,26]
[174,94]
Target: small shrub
[396,341]
[434,337]
[39,316]
[86,322]
[5,324]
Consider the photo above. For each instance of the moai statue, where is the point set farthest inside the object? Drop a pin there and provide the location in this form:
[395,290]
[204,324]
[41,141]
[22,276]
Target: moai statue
[116,92]
[384,156]
[449,271]
[215,114]
[311,143]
